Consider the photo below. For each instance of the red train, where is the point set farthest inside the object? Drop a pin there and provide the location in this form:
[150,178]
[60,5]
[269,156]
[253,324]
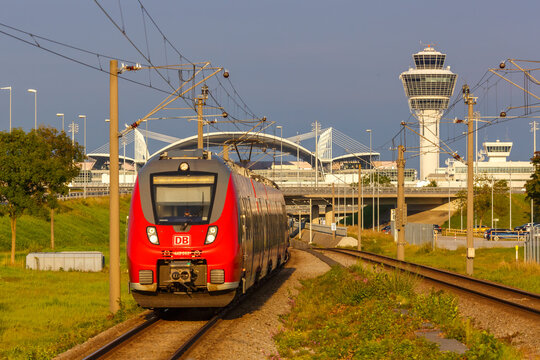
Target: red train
[200,230]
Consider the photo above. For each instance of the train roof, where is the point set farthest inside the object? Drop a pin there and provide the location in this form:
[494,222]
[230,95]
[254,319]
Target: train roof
[200,154]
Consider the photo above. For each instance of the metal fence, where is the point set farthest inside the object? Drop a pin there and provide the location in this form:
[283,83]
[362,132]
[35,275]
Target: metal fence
[416,233]
[324,229]
[531,247]
[327,229]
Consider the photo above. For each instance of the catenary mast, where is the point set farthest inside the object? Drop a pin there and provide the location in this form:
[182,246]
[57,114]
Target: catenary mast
[428,87]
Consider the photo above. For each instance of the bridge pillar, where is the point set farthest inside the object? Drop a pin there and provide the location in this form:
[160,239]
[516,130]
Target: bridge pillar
[315,214]
[328,213]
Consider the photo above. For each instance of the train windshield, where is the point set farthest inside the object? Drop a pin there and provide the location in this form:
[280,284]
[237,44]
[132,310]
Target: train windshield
[183,199]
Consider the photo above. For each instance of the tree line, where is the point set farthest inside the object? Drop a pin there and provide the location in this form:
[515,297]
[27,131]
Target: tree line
[35,168]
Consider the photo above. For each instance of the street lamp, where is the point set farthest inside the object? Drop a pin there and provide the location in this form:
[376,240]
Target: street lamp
[61,115]
[35,106]
[372,187]
[8,88]
[84,117]
[280,153]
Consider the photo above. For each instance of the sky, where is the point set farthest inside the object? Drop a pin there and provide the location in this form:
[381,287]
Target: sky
[295,62]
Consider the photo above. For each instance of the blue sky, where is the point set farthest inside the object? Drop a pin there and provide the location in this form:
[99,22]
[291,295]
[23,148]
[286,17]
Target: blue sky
[295,62]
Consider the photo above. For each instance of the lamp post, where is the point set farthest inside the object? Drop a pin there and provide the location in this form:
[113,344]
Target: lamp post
[492,184]
[448,182]
[371,183]
[8,88]
[61,115]
[280,153]
[533,130]
[35,106]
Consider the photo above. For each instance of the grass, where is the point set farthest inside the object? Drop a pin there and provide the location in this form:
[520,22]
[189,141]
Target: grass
[362,313]
[43,313]
[494,264]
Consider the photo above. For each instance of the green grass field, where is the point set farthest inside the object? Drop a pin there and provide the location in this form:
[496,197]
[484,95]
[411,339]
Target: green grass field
[43,313]
[358,313]
[497,264]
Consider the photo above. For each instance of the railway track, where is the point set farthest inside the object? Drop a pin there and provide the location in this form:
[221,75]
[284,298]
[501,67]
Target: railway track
[181,335]
[184,332]
[511,297]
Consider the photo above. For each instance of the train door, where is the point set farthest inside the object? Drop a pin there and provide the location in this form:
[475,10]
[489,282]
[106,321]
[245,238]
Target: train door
[250,248]
[265,234]
[258,238]
[273,234]
[246,240]
[284,236]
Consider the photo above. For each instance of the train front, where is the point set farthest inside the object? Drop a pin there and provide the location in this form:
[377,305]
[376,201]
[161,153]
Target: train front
[182,246]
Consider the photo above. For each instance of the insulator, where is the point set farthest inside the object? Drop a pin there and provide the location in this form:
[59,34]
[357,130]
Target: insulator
[263,118]
[226,73]
[502,114]
[224,114]
[502,65]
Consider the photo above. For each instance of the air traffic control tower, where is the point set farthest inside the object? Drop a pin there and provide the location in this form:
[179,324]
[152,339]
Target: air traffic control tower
[429,87]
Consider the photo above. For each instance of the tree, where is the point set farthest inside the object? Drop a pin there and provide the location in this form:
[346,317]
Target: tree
[532,186]
[432,183]
[482,197]
[21,163]
[382,180]
[61,167]
[31,173]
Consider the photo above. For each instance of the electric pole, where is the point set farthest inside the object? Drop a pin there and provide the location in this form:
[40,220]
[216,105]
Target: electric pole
[534,128]
[470,101]
[114,206]
[200,101]
[401,210]
[359,207]
[333,215]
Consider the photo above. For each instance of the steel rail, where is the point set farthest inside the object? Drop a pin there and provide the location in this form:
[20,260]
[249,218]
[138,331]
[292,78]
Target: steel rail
[199,334]
[220,315]
[121,339]
[407,266]
[188,344]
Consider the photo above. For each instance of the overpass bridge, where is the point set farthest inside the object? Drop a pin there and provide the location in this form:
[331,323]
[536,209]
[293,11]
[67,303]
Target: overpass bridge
[322,195]
[346,200]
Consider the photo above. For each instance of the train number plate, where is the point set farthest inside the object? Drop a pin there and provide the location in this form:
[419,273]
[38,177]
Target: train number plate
[182,240]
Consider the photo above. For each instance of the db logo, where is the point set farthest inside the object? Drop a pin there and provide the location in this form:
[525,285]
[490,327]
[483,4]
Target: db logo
[181,240]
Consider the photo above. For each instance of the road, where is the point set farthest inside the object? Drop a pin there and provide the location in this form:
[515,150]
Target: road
[451,243]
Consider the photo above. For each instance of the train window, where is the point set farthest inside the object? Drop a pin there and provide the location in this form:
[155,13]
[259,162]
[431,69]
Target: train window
[183,199]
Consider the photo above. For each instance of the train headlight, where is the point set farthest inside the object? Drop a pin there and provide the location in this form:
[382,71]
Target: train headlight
[211,235]
[184,166]
[151,232]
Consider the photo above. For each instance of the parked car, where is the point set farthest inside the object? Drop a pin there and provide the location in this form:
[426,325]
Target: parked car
[526,227]
[387,229]
[487,233]
[437,229]
[481,228]
[497,234]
